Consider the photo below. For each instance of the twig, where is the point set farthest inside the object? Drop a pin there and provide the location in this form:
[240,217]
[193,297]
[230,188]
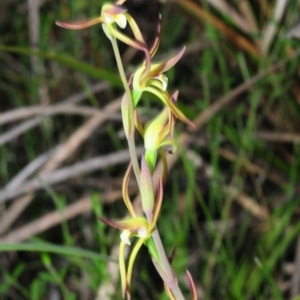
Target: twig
[248,203]
[29,124]
[271,28]
[280,137]
[295,288]
[198,12]
[238,20]
[30,169]
[51,219]
[19,129]
[62,174]
[96,88]
[80,135]
[226,99]
[37,66]
[252,168]
[76,139]
[13,212]
[247,12]
[26,112]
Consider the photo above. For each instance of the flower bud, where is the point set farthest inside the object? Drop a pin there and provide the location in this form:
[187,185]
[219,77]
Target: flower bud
[155,133]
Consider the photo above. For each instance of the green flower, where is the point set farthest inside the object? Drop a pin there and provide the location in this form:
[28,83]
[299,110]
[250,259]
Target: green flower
[113,15]
[155,82]
[135,226]
[158,133]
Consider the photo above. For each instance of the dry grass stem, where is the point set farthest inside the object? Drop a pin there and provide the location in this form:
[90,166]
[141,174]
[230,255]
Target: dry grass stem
[272,27]
[29,170]
[22,113]
[37,65]
[249,204]
[295,282]
[234,16]
[66,150]
[200,14]
[54,218]
[18,130]
[254,169]
[246,10]
[279,137]
[51,178]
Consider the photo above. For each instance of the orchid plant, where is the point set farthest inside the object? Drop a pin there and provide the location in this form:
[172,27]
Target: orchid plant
[157,133]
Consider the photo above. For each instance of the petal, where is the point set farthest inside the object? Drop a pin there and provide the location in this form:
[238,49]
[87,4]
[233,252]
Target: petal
[132,224]
[164,80]
[108,19]
[165,165]
[112,9]
[151,158]
[157,207]
[157,38]
[125,194]
[165,98]
[159,81]
[162,135]
[192,285]
[153,130]
[127,40]
[138,123]
[121,21]
[80,24]
[136,93]
[106,31]
[171,255]
[133,255]
[163,66]
[122,268]
[130,42]
[137,84]
[170,143]
[124,236]
[174,96]
[142,232]
[147,189]
[135,29]
[155,82]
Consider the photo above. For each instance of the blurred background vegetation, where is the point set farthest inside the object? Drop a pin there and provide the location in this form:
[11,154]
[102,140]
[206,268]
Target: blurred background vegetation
[231,203]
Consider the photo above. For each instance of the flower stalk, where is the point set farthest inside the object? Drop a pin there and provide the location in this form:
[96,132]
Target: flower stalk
[157,134]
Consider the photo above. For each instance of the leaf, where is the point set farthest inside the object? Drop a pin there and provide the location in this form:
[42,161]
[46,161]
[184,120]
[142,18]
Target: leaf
[45,247]
[68,61]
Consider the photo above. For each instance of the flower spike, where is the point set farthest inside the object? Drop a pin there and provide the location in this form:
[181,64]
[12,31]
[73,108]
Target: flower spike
[157,134]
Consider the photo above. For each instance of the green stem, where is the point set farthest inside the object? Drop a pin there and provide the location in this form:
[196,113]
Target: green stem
[131,143]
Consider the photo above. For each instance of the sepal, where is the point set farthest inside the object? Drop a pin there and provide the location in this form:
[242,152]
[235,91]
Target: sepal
[147,189]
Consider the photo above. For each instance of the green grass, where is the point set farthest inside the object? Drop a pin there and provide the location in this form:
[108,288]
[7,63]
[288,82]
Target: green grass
[230,253]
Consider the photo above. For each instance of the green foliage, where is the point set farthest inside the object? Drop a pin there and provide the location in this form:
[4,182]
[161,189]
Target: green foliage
[231,253]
